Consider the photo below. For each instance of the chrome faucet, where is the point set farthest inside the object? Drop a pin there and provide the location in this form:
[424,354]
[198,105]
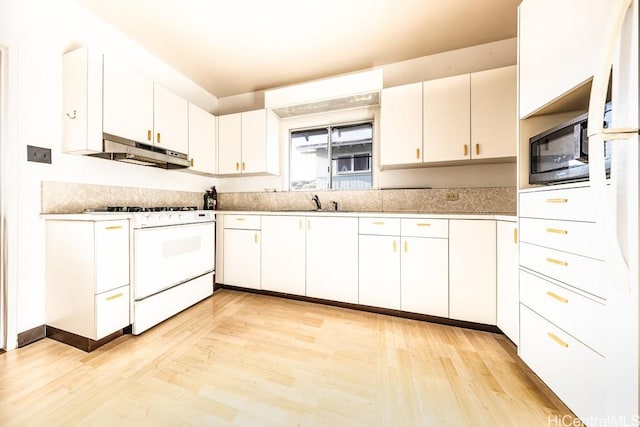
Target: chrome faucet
[316,199]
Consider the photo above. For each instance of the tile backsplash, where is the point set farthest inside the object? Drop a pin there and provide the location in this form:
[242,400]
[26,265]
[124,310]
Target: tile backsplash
[499,200]
[65,197]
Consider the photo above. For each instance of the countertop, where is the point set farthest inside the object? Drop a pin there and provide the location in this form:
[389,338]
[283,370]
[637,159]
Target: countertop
[399,214]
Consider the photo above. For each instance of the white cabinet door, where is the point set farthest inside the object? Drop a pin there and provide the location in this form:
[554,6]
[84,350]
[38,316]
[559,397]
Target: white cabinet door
[507,280]
[127,103]
[254,141]
[425,276]
[446,110]
[283,254]
[170,120]
[332,258]
[472,270]
[379,271]
[229,143]
[493,113]
[557,48]
[401,125]
[111,255]
[242,258]
[202,140]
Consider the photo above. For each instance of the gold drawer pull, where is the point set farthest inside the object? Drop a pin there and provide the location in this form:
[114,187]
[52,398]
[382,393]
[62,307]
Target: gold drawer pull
[113,227]
[557,340]
[557,231]
[423,224]
[116,296]
[378,222]
[557,297]
[418,153]
[515,235]
[477,149]
[557,200]
[557,262]
[240,219]
[465,150]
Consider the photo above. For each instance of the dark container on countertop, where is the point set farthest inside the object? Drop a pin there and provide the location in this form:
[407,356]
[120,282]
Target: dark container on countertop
[210,199]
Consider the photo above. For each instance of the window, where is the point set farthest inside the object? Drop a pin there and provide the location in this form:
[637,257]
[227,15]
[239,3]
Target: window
[348,146]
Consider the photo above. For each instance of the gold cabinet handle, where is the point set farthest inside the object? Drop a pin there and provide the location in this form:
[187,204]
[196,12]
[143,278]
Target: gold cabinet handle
[418,153]
[378,222]
[308,224]
[243,166]
[255,238]
[557,231]
[477,149]
[149,135]
[557,340]
[158,138]
[192,162]
[116,296]
[300,223]
[237,166]
[395,246]
[465,150]
[557,262]
[406,246]
[515,235]
[423,224]
[557,297]
[113,227]
[557,200]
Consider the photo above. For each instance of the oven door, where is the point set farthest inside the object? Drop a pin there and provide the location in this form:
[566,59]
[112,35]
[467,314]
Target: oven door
[167,256]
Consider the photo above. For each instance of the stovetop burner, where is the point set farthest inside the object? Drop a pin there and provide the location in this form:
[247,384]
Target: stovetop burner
[151,209]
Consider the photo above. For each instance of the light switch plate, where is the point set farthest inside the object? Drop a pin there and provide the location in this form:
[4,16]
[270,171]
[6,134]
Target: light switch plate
[452,197]
[38,154]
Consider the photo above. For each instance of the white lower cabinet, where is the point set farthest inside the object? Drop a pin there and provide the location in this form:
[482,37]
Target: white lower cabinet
[424,271]
[572,370]
[379,271]
[92,298]
[283,254]
[472,270]
[507,304]
[242,251]
[332,258]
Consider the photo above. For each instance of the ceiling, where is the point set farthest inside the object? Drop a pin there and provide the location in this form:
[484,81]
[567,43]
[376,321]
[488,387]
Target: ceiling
[231,47]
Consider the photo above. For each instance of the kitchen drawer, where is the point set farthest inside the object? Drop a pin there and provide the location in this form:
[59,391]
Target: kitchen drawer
[573,371]
[579,316]
[111,254]
[569,236]
[569,203]
[580,272]
[413,227]
[380,226]
[112,311]
[242,222]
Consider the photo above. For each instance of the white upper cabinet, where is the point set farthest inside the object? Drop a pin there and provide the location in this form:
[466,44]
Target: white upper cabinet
[170,120]
[493,113]
[401,125]
[248,143]
[558,46]
[446,119]
[202,141]
[127,103]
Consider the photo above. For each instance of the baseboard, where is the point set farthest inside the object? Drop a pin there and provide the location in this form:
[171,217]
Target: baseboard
[32,335]
[77,341]
[370,309]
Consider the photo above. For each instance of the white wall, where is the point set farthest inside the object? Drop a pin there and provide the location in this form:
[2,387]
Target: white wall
[37,33]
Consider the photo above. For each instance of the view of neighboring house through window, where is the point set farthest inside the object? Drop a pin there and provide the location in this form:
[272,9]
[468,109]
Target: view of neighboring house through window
[332,157]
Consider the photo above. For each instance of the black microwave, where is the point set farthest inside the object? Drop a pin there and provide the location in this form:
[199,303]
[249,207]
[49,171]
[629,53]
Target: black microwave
[561,154]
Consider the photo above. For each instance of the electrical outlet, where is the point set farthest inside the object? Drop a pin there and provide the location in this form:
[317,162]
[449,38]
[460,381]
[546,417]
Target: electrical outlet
[451,197]
[38,154]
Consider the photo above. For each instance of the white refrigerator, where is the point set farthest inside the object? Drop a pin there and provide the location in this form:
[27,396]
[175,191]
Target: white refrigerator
[618,203]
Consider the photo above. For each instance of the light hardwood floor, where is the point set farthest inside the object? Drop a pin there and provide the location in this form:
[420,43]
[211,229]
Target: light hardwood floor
[245,359]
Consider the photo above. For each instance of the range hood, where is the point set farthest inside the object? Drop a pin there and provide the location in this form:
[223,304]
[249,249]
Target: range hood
[128,151]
